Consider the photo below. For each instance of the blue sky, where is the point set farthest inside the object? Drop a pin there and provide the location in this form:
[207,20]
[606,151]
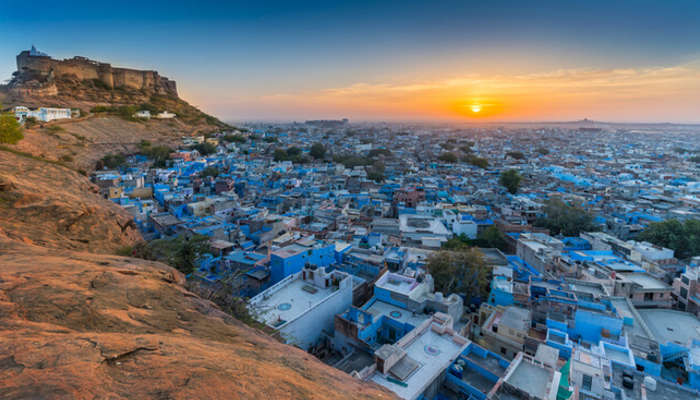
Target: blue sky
[258,60]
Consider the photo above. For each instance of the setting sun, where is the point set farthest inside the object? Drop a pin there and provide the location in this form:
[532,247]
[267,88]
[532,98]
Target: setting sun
[476,108]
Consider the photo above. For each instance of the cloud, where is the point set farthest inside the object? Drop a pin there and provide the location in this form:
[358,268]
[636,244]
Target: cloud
[668,93]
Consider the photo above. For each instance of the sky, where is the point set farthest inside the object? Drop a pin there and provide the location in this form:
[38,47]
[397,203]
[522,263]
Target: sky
[548,60]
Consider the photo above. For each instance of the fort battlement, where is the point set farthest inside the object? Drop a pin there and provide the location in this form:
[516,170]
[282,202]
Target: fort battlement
[40,67]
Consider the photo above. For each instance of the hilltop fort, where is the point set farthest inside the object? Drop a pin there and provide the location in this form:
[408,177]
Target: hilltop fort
[39,76]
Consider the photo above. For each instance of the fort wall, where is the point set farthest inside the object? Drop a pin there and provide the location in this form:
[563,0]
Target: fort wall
[44,67]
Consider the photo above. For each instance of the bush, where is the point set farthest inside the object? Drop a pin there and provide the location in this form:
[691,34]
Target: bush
[352,161]
[379,152]
[205,148]
[448,157]
[511,180]
[181,252]
[515,154]
[463,272]
[682,237]
[111,161]
[10,129]
[55,128]
[317,151]
[476,161]
[564,219]
[209,171]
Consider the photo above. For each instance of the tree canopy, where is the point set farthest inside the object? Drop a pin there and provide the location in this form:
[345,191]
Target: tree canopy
[318,151]
[565,219]
[518,155]
[511,180]
[682,237]
[448,157]
[10,129]
[476,161]
[181,252]
[490,237]
[463,272]
[205,148]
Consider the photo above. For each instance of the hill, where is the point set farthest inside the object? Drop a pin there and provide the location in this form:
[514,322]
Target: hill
[79,323]
[84,326]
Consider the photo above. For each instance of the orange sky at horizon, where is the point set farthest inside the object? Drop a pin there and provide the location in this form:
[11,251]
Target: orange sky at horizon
[634,94]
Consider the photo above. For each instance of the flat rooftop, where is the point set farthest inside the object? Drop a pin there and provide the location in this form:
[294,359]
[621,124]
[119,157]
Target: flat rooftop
[433,353]
[645,281]
[289,302]
[379,308]
[530,378]
[671,326]
[397,283]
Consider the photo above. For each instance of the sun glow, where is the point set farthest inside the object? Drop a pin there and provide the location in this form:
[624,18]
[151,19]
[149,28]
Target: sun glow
[476,108]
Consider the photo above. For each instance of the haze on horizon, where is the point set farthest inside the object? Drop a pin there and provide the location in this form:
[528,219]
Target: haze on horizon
[618,61]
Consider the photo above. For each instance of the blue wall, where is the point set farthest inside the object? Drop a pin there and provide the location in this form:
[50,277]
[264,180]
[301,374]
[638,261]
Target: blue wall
[282,267]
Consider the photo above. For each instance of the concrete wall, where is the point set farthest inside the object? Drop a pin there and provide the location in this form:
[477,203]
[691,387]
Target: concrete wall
[306,330]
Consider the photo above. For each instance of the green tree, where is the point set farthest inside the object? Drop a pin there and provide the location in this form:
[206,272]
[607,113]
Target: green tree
[564,219]
[491,237]
[318,151]
[189,251]
[280,155]
[511,180]
[180,252]
[476,161]
[463,272]
[376,171]
[293,151]
[448,157]
[10,129]
[111,161]
[205,148]
[209,171]
[516,154]
[682,237]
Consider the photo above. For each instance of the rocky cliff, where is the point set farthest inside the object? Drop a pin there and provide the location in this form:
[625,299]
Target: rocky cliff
[79,323]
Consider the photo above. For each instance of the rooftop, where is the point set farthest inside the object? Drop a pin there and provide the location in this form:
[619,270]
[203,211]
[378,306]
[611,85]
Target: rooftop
[433,353]
[671,326]
[379,308]
[288,302]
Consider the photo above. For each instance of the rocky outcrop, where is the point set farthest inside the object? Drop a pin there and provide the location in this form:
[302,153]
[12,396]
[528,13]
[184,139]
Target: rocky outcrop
[36,68]
[52,206]
[85,326]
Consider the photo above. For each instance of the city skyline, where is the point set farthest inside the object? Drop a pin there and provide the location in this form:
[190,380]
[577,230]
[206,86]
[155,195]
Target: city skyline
[621,62]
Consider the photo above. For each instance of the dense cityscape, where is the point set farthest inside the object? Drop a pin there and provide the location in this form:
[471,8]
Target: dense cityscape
[442,262]
[350,200]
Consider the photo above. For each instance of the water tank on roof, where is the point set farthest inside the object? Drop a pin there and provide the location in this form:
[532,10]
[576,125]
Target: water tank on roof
[650,383]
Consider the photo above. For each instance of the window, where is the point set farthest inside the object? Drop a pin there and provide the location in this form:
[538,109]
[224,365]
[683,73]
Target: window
[503,351]
[685,280]
[587,383]
[648,296]
[684,293]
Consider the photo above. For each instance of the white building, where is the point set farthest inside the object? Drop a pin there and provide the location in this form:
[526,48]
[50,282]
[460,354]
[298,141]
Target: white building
[145,114]
[44,114]
[301,306]
[413,367]
[165,115]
